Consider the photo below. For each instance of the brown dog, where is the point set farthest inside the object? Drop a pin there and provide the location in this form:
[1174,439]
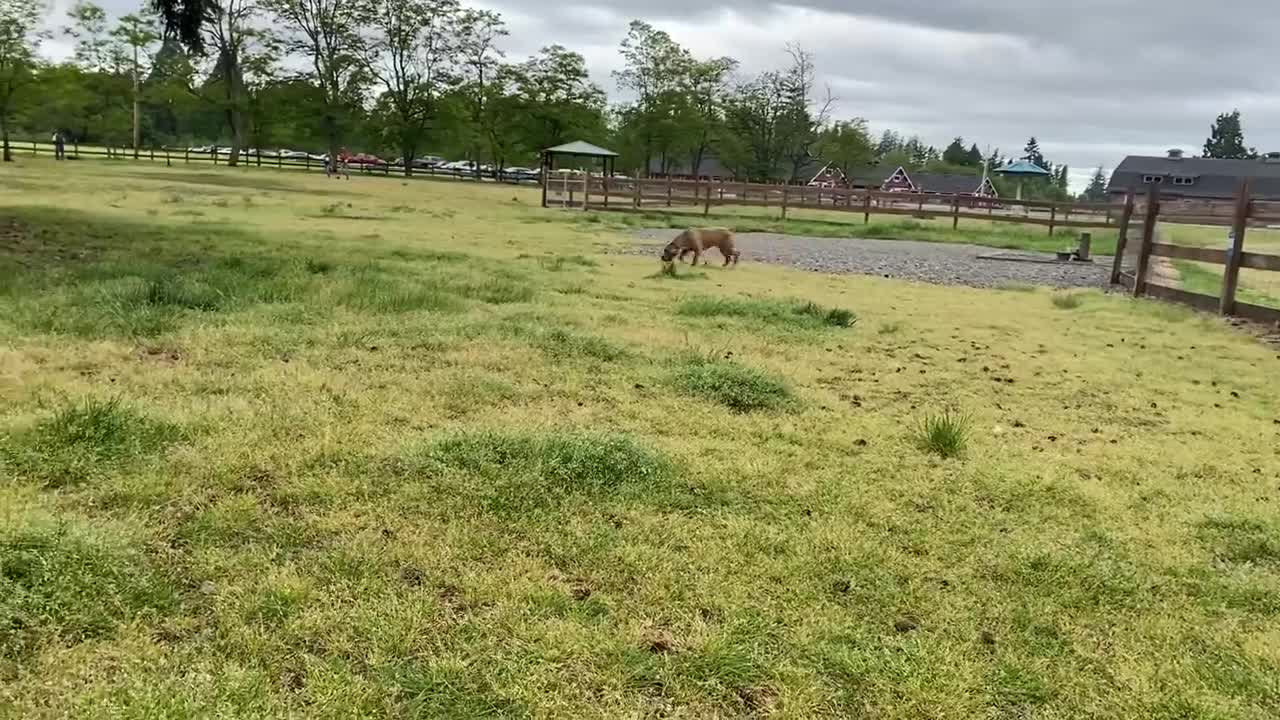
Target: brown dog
[697,241]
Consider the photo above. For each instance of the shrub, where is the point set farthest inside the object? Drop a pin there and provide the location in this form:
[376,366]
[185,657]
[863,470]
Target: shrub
[945,434]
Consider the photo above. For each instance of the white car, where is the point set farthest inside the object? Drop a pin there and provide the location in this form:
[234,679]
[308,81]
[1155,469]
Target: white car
[296,154]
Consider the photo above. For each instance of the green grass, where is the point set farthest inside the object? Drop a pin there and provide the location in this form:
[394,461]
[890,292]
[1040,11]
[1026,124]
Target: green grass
[784,313]
[447,454]
[1067,301]
[945,434]
[737,387]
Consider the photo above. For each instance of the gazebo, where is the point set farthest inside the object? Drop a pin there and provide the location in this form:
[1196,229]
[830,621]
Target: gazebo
[1022,170]
[577,148]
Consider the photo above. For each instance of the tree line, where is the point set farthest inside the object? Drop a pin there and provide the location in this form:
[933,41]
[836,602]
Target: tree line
[410,77]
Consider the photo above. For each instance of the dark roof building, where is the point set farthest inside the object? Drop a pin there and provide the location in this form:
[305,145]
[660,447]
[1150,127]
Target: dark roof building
[941,184]
[1197,178]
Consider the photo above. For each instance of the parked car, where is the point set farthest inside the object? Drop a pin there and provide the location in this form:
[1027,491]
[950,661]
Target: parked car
[366,159]
[295,154]
[422,163]
[520,174]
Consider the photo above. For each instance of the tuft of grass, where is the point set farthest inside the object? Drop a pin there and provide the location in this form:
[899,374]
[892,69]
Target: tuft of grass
[516,471]
[59,587]
[562,344]
[776,312]
[737,387]
[561,262]
[85,440]
[1067,301]
[1241,540]
[496,291]
[945,434]
[319,267]
[182,292]
[890,328]
[378,293]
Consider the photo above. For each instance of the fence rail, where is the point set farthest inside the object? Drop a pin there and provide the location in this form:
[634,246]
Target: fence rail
[1246,213]
[186,156]
[628,194]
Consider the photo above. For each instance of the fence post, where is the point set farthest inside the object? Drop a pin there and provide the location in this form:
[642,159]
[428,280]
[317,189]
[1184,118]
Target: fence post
[784,201]
[168,162]
[153,153]
[33,147]
[1123,239]
[1053,217]
[955,212]
[586,191]
[1148,237]
[635,192]
[279,161]
[668,190]
[866,208]
[605,180]
[1231,276]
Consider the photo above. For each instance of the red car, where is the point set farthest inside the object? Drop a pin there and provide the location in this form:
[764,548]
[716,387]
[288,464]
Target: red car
[365,159]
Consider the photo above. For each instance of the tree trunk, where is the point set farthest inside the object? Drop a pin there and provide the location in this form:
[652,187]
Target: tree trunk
[137,127]
[4,138]
[237,139]
[406,156]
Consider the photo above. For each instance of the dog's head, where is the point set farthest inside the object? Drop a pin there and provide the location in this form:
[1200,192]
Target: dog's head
[670,251]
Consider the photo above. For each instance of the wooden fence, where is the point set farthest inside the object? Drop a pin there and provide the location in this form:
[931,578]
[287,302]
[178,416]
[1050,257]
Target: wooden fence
[1245,212]
[186,156]
[627,194]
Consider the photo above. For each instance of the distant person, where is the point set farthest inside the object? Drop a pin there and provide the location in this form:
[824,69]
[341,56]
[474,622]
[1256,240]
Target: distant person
[59,146]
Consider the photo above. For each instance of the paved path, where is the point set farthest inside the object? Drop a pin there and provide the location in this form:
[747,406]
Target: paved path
[938,263]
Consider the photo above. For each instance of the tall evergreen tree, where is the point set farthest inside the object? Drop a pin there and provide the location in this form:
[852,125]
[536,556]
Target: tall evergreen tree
[1097,190]
[974,157]
[1032,153]
[955,154]
[1226,139]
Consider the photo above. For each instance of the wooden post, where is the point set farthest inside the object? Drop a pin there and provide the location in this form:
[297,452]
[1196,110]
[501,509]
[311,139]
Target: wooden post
[955,212]
[546,179]
[586,190]
[1148,237]
[33,147]
[920,207]
[76,145]
[186,156]
[635,192]
[706,208]
[668,190]
[1231,276]
[153,153]
[866,208]
[1125,216]
[1053,217]
[605,180]
[168,162]
[279,161]
[784,202]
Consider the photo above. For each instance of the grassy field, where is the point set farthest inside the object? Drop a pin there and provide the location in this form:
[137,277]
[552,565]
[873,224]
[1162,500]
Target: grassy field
[279,446]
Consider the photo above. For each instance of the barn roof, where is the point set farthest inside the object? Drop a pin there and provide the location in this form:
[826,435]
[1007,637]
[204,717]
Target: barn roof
[1211,178]
[947,184]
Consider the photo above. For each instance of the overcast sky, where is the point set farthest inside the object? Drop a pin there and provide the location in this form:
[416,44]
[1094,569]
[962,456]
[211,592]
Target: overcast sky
[1094,80]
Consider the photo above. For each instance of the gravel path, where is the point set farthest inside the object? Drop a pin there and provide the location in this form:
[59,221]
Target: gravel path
[938,263]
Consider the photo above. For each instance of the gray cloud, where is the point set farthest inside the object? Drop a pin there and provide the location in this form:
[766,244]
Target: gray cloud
[1093,79]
